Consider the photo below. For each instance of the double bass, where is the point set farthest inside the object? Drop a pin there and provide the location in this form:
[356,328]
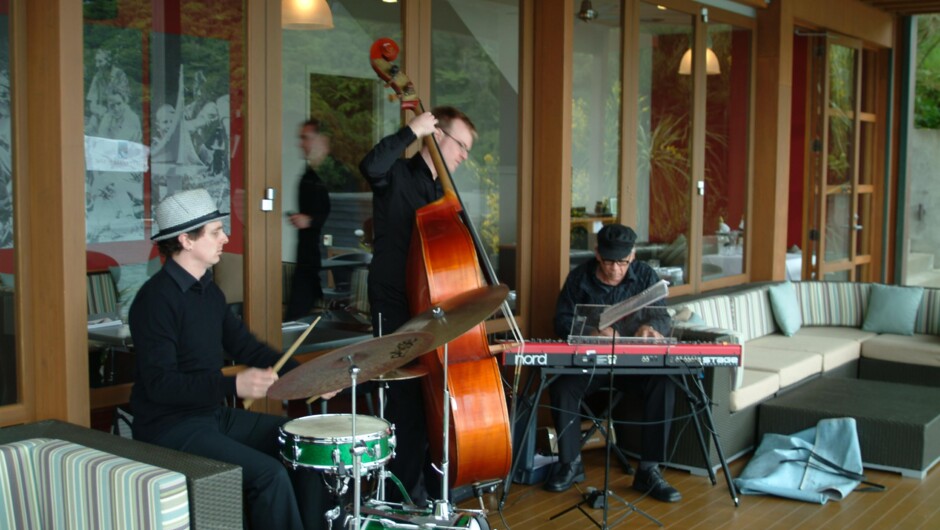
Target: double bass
[445,260]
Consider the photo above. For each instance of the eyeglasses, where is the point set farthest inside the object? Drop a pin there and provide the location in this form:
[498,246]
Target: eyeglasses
[463,146]
[619,262]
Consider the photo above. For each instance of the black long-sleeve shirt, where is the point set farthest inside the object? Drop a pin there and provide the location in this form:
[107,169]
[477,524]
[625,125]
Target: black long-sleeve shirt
[180,327]
[399,188]
[583,287]
[314,200]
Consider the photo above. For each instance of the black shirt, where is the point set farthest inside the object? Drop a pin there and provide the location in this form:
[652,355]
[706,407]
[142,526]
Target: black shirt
[399,188]
[583,287]
[314,200]
[181,326]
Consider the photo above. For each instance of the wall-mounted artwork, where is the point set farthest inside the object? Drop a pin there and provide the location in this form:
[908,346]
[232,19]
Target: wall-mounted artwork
[114,192]
[189,146]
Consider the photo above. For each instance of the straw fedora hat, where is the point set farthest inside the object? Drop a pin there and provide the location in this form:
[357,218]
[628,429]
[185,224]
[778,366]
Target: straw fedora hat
[183,212]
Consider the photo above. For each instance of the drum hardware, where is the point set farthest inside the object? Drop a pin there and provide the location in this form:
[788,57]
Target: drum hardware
[382,358]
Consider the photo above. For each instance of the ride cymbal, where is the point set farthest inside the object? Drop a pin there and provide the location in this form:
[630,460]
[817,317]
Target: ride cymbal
[330,372]
[451,318]
[403,373]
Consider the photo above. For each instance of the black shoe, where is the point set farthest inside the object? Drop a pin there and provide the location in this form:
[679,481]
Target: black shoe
[651,481]
[564,475]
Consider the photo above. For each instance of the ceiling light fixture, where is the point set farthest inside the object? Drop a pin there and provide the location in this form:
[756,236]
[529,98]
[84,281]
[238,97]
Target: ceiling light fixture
[587,12]
[306,14]
[711,63]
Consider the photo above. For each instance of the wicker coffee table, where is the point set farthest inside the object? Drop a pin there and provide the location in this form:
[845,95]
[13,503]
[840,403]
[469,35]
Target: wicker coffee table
[898,424]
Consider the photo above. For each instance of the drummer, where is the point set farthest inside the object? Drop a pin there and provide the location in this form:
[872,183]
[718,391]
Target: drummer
[399,188]
[181,325]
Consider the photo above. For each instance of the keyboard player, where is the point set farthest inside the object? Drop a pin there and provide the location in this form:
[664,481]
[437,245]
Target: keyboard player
[612,277]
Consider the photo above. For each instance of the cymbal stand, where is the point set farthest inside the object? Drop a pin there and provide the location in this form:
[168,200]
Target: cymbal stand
[442,509]
[383,474]
[356,451]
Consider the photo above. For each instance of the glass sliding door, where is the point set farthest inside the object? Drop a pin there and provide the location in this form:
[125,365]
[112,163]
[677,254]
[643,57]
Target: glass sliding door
[165,92]
[842,162]
[10,368]
[664,150]
[595,130]
[475,68]
[727,114]
[326,76]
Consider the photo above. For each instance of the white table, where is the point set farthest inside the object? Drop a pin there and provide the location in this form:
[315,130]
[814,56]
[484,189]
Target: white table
[794,266]
[729,264]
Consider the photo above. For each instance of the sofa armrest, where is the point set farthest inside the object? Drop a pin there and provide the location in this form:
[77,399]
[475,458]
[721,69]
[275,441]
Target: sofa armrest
[698,333]
[215,488]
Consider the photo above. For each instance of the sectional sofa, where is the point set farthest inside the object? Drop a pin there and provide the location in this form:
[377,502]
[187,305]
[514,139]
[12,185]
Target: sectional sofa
[830,341]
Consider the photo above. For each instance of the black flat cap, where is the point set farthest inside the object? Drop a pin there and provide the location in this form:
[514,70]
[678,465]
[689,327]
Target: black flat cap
[615,242]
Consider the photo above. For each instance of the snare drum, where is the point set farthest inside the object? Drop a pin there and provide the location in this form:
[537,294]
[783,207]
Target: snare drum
[324,442]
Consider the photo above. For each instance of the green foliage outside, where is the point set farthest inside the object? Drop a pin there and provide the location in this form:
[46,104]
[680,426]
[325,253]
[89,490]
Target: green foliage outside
[927,84]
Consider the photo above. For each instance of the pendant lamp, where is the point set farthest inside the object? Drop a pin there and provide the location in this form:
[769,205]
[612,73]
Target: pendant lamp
[306,14]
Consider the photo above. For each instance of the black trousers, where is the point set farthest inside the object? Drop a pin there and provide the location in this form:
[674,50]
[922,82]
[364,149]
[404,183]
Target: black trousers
[304,292]
[659,397]
[275,497]
[405,409]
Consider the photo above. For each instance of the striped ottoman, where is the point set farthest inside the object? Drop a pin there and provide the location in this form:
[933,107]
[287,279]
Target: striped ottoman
[51,484]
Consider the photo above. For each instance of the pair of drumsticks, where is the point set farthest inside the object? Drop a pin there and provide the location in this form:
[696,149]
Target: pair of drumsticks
[286,356]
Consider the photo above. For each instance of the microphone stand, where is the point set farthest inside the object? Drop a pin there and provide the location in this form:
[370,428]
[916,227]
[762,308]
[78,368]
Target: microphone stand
[593,496]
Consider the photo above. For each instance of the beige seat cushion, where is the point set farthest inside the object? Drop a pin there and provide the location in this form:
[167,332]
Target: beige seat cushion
[835,351]
[755,387]
[790,365]
[915,349]
[838,332]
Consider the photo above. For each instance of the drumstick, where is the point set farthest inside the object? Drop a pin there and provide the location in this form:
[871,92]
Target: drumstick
[286,356]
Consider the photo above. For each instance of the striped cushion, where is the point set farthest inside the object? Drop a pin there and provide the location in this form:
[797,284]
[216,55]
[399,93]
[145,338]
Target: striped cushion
[928,316]
[832,303]
[753,315]
[79,488]
[102,295]
[715,311]
[19,493]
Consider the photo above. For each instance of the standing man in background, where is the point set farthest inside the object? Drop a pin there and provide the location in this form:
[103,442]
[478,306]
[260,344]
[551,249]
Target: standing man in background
[314,203]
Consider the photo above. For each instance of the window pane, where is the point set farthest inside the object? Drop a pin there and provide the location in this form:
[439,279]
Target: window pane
[664,147]
[475,68]
[726,151]
[164,112]
[327,76]
[595,134]
[9,388]
[838,227]
[841,114]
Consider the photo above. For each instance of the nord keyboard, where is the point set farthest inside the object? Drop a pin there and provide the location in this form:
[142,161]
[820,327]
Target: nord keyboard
[652,354]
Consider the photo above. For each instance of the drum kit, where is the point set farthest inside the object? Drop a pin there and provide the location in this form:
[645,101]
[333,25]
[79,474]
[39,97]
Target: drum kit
[352,450]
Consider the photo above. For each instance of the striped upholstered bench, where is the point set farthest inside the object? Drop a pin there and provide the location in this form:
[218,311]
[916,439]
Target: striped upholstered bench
[49,483]
[214,488]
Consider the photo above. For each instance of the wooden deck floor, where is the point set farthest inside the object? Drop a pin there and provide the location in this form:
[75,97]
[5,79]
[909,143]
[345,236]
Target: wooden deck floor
[908,503]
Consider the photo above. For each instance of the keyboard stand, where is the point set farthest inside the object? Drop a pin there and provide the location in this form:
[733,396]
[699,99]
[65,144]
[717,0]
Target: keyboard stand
[695,394]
